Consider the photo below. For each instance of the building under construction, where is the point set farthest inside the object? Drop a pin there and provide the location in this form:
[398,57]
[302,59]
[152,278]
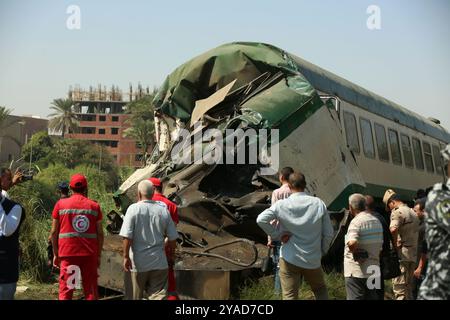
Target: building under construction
[103,119]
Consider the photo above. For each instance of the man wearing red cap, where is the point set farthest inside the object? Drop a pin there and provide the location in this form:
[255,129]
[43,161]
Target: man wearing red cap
[172,207]
[77,239]
[158,196]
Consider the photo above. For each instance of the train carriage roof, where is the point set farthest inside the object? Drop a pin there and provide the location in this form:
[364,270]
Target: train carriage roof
[203,75]
[332,84]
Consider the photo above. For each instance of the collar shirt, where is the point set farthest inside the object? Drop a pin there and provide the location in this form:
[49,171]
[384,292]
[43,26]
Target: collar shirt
[281,193]
[147,223]
[307,221]
[406,221]
[9,222]
[367,230]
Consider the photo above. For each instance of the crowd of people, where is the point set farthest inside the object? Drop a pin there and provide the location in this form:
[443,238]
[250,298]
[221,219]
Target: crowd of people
[410,246]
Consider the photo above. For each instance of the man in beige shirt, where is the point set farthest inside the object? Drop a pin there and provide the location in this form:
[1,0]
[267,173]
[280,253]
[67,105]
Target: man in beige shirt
[405,233]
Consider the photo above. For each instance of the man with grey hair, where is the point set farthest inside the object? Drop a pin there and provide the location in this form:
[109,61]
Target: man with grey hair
[363,243]
[146,225]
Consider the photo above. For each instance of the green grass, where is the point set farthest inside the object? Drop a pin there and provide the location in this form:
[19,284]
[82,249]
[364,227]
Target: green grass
[262,289]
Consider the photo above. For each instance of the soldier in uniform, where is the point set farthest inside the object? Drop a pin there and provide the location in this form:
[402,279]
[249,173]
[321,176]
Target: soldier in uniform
[404,228]
[436,285]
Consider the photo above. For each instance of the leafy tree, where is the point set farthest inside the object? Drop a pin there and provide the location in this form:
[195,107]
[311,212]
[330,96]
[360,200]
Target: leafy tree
[142,125]
[70,153]
[64,118]
[39,148]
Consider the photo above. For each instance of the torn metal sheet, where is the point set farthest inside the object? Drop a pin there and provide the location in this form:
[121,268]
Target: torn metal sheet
[204,105]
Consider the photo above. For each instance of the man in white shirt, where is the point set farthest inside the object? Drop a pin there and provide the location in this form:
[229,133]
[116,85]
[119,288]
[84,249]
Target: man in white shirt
[146,225]
[11,217]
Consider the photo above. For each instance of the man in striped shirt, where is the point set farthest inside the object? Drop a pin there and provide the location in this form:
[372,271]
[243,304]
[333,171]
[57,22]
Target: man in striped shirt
[363,244]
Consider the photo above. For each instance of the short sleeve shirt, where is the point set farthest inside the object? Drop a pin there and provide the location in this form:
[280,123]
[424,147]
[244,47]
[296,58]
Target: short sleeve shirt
[406,221]
[147,223]
[368,232]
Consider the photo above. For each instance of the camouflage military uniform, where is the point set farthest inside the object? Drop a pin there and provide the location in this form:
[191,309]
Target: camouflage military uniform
[406,221]
[437,233]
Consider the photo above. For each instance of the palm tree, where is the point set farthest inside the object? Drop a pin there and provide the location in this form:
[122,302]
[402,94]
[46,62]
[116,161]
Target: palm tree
[142,131]
[64,118]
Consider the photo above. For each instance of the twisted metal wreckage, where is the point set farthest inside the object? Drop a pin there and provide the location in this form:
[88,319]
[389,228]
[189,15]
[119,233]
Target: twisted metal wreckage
[236,86]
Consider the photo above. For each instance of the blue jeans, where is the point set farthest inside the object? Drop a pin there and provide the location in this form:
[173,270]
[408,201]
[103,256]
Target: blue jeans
[7,291]
[276,266]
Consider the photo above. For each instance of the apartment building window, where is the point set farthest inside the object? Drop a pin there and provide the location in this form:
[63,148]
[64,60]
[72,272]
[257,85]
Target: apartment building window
[87,117]
[115,118]
[139,157]
[88,130]
[101,131]
[114,130]
[107,143]
[102,118]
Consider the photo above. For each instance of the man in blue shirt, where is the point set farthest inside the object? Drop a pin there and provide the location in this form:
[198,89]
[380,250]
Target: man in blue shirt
[306,233]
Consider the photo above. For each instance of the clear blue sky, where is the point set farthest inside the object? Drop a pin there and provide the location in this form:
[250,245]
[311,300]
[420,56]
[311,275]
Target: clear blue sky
[407,61]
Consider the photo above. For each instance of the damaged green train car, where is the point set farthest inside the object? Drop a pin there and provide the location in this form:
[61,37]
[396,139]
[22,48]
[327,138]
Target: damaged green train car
[344,138]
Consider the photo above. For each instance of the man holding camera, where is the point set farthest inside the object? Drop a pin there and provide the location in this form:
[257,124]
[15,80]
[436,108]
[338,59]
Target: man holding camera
[8,180]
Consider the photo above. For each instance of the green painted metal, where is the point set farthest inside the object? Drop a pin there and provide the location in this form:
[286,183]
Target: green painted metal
[209,72]
[377,191]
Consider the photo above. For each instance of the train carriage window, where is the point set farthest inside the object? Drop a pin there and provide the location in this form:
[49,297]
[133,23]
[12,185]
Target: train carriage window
[351,131]
[418,157]
[428,157]
[380,134]
[367,138]
[395,147]
[437,159]
[407,151]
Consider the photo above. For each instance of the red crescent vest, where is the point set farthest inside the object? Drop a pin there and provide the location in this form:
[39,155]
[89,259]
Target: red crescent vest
[78,217]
